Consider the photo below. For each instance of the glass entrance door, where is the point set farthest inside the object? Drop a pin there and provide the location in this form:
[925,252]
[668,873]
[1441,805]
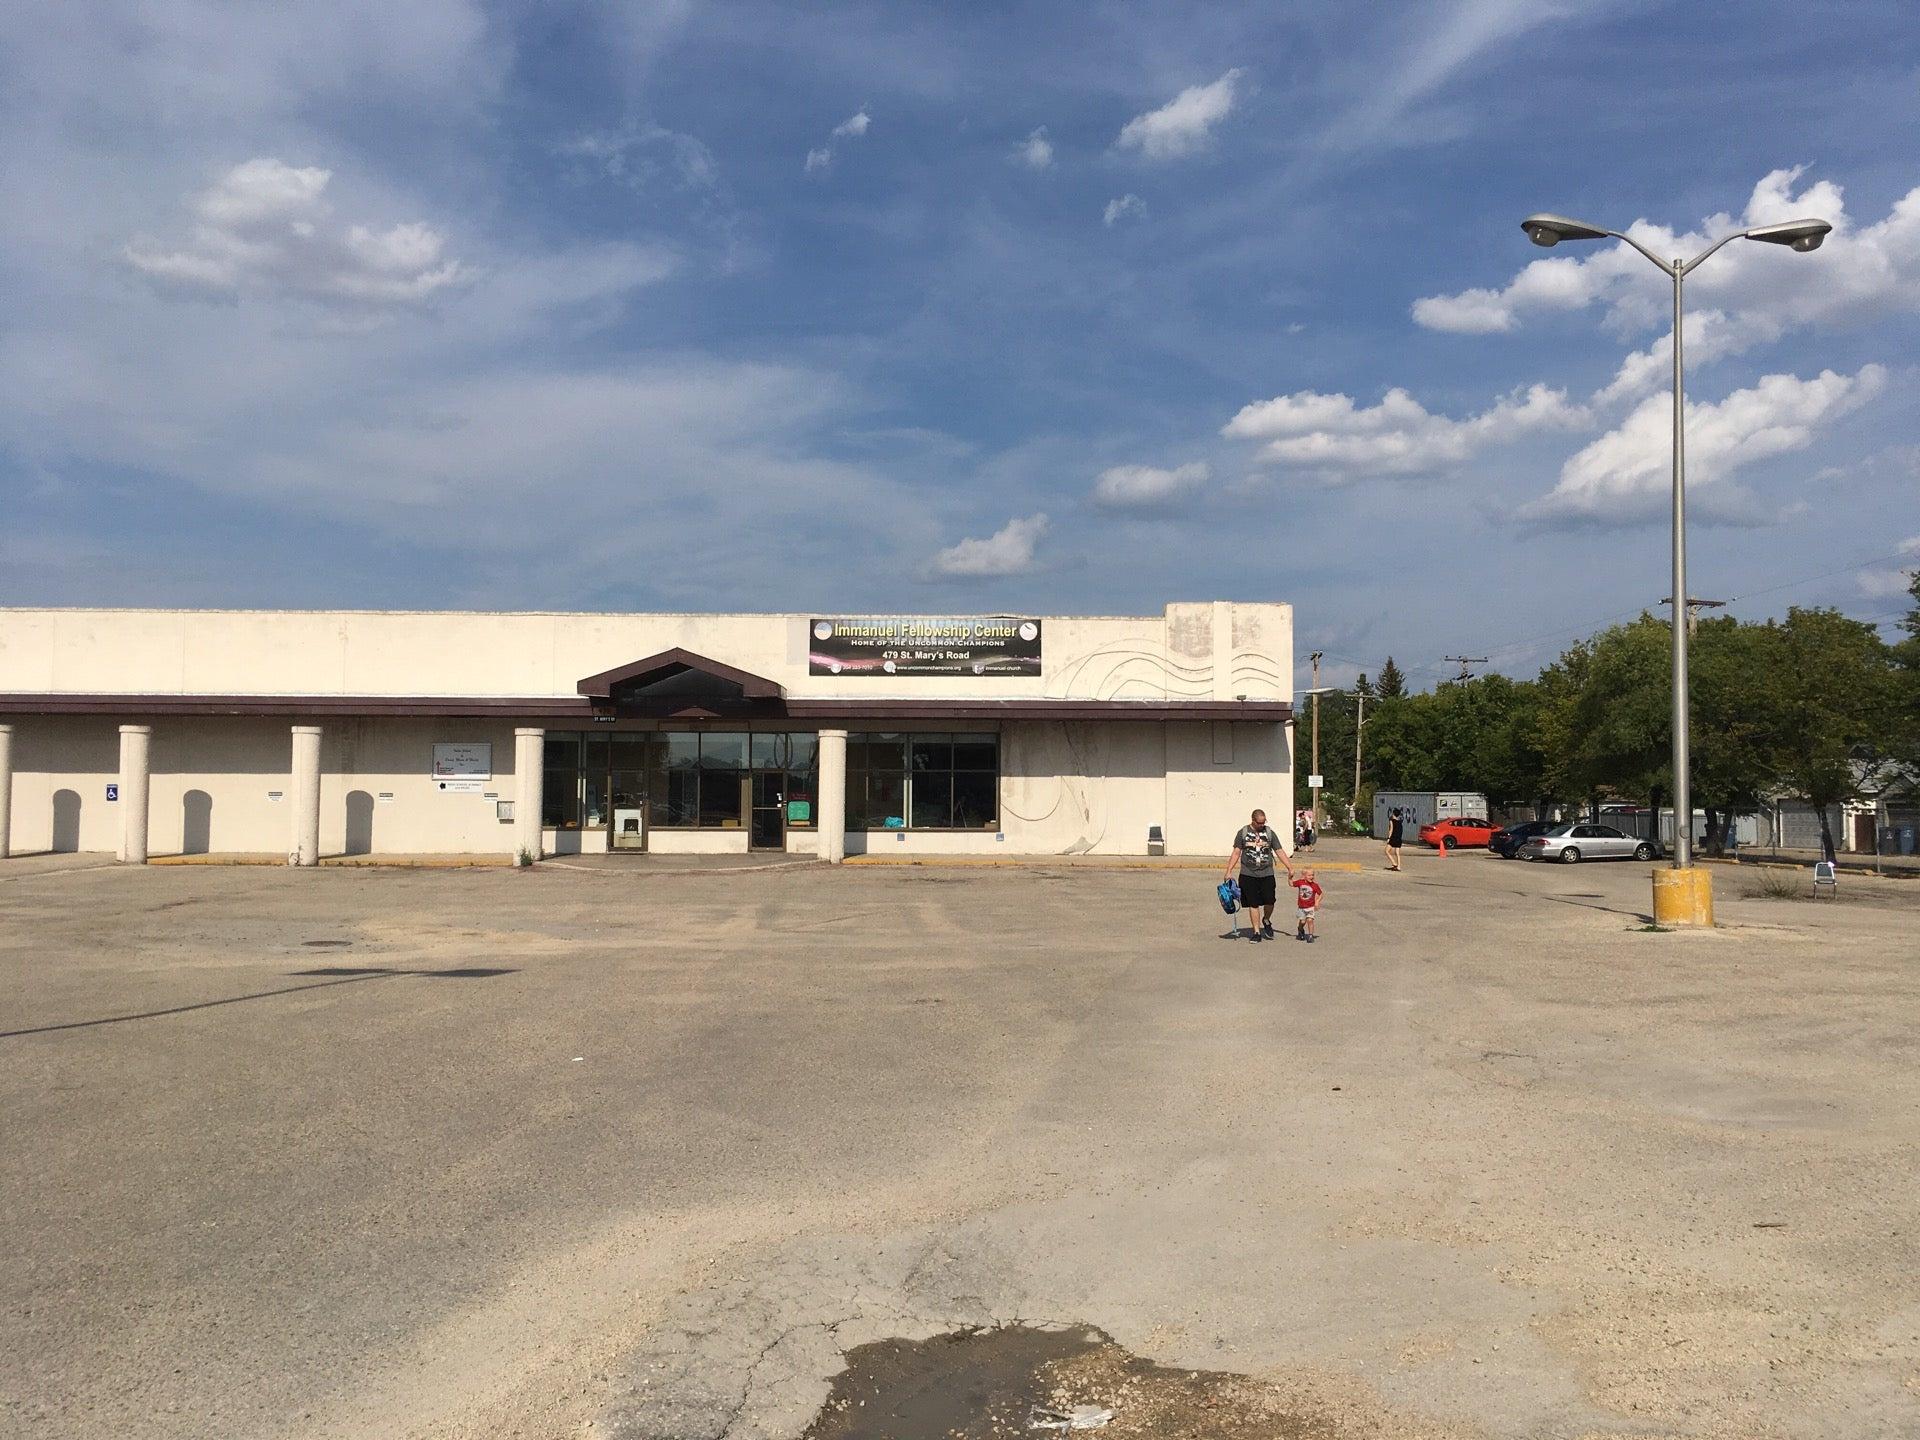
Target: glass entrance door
[768,825]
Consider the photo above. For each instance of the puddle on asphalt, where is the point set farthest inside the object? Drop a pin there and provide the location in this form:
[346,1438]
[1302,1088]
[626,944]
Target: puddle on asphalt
[976,1384]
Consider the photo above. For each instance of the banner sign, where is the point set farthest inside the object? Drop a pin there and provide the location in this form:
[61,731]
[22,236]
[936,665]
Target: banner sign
[924,645]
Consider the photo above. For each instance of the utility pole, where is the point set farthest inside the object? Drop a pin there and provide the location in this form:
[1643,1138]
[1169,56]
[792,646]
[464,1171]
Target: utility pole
[1694,607]
[1465,662]
[1359,728]
[1315,657]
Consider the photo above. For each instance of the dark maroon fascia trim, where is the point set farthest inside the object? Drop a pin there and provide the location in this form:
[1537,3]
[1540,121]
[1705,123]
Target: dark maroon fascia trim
[507,707]
[1269,711]
[583,711]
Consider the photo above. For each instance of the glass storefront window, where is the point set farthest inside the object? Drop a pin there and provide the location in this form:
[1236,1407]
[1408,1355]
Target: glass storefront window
[720,751]
[976,800]
[720,798]
[685,779]
[560,793]
[886,800]
[933,801]
[923,781]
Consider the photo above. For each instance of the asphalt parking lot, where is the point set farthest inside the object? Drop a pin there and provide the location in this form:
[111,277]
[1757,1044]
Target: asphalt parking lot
[359,1153]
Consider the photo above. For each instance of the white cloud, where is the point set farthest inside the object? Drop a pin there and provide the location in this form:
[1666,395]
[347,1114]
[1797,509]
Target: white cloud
[1184,125]
[1124,207]
[1443,41]
[1749,294]
[822,157]
[1332,436]
[640,155]
[265,228]
[1909,546]
[1008,551]
[1146,487]
[1036,151]
[1709,335]
[1626,475]
[1884,584]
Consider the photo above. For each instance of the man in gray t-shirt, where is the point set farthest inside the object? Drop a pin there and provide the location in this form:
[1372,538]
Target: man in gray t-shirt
[1255,847]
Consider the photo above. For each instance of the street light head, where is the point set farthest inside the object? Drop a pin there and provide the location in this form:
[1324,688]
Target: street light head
[1802,235]
[1550,230]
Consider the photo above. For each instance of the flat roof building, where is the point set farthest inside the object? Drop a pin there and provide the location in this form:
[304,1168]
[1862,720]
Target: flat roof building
[157,732]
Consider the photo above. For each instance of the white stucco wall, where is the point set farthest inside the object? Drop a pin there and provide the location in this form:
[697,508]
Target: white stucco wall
[1067,787]
[1212,650]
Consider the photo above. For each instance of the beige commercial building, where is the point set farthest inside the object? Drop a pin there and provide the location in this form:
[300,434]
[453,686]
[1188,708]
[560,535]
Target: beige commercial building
[165,732]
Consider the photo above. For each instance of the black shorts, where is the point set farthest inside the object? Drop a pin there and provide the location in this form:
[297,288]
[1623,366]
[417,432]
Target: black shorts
[1257,890]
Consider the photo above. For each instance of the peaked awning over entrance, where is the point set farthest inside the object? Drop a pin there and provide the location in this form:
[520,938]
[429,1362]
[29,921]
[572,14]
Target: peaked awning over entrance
[679,672]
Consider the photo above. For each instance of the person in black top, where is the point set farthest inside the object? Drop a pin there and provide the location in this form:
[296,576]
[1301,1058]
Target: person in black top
[1395,824]
[1255,848]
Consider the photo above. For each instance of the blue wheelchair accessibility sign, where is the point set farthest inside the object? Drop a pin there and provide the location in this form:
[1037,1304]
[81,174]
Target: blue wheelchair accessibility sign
[113,792]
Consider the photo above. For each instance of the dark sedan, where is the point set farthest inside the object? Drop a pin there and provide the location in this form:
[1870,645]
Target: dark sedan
[1505,843]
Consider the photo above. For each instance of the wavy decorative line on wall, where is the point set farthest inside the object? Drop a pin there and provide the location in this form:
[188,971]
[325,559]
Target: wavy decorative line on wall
[1197,674]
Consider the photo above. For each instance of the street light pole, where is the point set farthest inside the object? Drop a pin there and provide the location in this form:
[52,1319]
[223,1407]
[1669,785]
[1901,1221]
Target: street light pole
[1801,235]
[1682,719]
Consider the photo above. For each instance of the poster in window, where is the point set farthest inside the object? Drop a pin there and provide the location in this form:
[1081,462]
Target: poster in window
[959,645]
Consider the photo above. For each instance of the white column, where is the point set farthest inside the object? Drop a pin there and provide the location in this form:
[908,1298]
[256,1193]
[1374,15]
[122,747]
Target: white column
[833,796]
[305,788]
[529,773]
[6,791]
[135,741]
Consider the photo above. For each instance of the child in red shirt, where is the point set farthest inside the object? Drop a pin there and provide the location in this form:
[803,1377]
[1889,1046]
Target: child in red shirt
[1309,892]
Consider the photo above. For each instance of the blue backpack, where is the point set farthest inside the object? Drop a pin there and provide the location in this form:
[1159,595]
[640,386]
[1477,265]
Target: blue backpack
[1229,893]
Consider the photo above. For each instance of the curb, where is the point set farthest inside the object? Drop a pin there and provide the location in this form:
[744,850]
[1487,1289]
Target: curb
[347,862]
[966,862]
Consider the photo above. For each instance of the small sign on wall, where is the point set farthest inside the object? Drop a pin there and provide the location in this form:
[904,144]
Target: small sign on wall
[113,792]
[462,760]
[460,787]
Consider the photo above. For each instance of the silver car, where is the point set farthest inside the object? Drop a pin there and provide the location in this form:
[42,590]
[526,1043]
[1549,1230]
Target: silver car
[1584,840]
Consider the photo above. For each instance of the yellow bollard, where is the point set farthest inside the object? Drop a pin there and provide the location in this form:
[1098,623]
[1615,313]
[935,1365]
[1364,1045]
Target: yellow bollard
[1683,898]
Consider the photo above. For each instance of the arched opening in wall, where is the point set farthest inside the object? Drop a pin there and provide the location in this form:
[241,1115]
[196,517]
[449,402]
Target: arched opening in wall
[66,821]
[196,828]
[359,836]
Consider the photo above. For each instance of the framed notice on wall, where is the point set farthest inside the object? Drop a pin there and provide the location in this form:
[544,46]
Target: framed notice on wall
[962,645]
[462,760]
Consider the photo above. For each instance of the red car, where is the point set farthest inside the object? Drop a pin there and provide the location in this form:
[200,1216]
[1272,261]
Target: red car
[1457,832]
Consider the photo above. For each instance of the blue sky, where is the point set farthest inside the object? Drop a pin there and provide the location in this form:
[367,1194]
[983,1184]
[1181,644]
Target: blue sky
[1053,308]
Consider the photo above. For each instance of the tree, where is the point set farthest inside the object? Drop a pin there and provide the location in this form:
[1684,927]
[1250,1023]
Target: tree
[1392,684]
[1833,695]
[1906,655]
[1621,721]
[1733,766]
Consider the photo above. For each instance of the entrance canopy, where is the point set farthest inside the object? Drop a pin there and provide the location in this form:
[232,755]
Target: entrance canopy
[680,684]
